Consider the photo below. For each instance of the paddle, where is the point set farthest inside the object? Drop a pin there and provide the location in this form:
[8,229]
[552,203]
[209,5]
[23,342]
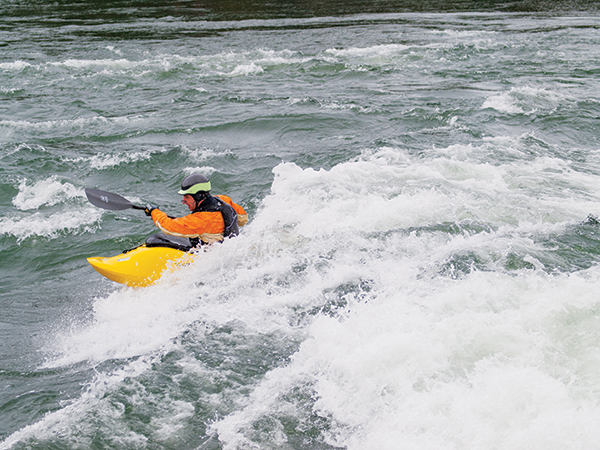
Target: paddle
[108,200]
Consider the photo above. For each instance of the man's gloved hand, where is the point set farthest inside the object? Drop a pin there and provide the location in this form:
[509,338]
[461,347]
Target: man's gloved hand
[149,208]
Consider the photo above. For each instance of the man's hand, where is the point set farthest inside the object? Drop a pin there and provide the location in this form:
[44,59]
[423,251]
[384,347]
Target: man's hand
[149,209]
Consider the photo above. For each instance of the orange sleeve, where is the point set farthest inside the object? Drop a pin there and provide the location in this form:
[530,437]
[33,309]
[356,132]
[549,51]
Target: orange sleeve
[192,225]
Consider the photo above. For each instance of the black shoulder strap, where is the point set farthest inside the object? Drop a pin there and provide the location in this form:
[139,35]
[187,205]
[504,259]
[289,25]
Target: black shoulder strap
[230,218]
[212,204]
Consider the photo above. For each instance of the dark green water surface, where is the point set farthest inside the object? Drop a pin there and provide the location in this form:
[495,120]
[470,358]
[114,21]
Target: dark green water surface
[420,268]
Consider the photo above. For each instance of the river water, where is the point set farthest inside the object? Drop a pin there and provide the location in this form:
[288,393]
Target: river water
[421,269]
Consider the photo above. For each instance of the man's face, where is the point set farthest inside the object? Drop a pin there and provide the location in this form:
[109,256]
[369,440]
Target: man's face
[189,201]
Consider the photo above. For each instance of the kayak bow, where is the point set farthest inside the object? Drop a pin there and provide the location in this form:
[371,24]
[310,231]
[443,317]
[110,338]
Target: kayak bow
[145,264]
[142,266]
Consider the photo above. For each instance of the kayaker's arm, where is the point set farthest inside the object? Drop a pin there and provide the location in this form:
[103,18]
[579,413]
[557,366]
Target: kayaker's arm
[208,226]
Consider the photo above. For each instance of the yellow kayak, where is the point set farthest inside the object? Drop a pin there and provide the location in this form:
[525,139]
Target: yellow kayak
[143,265]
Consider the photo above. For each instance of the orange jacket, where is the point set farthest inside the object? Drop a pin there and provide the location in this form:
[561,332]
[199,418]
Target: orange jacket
[206,225]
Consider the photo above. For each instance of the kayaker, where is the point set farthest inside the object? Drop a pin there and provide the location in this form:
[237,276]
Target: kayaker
[212,217]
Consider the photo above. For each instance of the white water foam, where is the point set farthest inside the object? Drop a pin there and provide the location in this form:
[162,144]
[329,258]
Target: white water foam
[79,123]
[53,193]
[462,364]
[525,100]
[108,160]
[377,51]
[202,154]
[16,65]
[47,192]
[49,225]
[484,361]
[64,422]
[412,358]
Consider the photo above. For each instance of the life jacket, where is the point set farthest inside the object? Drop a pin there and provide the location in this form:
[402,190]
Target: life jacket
[213,204]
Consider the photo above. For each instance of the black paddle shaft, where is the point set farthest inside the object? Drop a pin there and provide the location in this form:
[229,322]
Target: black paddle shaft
[109,200]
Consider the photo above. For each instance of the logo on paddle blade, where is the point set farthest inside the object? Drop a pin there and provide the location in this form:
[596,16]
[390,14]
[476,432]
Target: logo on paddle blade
[104,198]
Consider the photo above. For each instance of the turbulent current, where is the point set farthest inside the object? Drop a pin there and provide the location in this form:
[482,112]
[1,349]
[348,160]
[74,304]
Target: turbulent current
[421,268]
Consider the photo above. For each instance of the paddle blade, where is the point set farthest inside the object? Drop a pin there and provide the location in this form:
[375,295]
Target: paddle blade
[109,200]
